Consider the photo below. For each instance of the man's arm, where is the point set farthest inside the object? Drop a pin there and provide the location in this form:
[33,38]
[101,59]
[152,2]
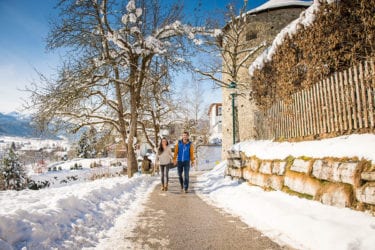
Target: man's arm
[192,156]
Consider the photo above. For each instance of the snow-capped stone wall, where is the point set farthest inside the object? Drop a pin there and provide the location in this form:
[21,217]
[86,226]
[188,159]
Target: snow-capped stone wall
[341,182]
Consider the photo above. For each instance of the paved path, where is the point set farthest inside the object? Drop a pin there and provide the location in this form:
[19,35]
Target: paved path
[175,220]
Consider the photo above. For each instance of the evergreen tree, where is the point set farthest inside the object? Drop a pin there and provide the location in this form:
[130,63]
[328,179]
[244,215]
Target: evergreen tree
[12,174]
[87,144]
[13,146]
[83,146]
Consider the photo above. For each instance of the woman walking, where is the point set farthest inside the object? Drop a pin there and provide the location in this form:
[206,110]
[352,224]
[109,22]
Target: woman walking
[164,158]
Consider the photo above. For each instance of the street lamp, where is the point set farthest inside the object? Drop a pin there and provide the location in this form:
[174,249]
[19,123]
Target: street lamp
[233,86]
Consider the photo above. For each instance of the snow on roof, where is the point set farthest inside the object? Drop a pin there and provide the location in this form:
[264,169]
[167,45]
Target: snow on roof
[273,4]
[306,18]
[213,104]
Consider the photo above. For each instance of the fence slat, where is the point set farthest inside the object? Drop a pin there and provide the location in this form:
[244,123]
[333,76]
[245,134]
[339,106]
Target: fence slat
[295,122]
[303,105]
[347,101]
[330,106]
[334,103]
[306,107]
[307,102]
[370,92]
[353,99]
[363,95]
[282,117]
[358,97]
[314,110]
[324,106]
[319,111]
[300,114]
[343,105]
[311,106]
[338,102]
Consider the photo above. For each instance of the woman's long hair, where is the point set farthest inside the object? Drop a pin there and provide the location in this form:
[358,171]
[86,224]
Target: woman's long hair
[161,149]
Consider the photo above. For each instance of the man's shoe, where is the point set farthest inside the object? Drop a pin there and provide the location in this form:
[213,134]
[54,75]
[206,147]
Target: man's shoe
[162,188]
[166,188]
[185,191]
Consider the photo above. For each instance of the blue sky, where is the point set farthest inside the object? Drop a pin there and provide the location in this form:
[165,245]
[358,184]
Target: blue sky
[23,29]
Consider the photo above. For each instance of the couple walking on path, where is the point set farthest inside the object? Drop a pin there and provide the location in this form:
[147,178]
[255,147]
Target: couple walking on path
[183,157]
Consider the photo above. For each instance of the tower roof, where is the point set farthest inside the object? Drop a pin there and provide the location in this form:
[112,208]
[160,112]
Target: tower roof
[275,4]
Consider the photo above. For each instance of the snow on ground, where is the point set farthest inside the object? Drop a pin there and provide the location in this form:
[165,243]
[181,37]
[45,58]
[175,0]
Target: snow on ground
[72,217]
[66,176]
[300,223]
[355,145]
[33,143]
[208,156]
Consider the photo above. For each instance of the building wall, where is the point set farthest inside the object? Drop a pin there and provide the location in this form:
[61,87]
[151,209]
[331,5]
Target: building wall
[215,120]
[266,25]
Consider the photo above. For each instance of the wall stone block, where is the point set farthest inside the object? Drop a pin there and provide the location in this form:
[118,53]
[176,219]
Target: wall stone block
[301,166]
[366,194]
[265,167]
[348,172]
[278,167]
[301,183]
[336,194]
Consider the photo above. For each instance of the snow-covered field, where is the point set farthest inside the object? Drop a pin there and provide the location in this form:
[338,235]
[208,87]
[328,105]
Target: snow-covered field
[300,223]
[75,216]
[106,167]
[33,143]
[355,145]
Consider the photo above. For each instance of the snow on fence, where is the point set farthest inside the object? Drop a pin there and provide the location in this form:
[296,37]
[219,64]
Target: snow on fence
[341,103]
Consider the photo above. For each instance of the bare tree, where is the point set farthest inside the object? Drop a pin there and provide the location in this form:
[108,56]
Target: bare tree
[227,50]
[157,103]
[112,48]
[196,100]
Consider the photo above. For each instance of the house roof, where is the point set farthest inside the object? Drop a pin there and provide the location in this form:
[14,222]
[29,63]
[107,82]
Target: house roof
[275,4]
[213,104]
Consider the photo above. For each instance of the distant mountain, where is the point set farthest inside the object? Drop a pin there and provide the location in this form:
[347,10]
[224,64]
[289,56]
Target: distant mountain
[16,124]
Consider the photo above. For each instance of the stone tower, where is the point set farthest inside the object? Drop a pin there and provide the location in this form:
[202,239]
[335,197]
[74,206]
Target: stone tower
[262,25]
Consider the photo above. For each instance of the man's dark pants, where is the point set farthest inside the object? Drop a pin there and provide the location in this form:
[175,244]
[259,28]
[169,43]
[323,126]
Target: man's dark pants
[183,166]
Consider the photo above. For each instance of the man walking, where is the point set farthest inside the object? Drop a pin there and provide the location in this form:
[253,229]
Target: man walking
[183,157]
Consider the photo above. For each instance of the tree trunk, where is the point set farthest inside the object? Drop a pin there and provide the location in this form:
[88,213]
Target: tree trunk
[132,161]
[120,112]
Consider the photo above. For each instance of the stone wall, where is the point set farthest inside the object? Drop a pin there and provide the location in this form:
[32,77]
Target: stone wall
[264,26]
[344,182]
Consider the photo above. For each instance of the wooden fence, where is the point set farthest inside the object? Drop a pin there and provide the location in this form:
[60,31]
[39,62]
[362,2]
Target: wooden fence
[342,103]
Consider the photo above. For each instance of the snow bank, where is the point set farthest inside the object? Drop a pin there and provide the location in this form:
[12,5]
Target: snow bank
[71,217]
[300,223]
[208,157]
[355,145]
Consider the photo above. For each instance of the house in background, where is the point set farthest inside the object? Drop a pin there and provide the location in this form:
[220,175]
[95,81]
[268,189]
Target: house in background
[215,118]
